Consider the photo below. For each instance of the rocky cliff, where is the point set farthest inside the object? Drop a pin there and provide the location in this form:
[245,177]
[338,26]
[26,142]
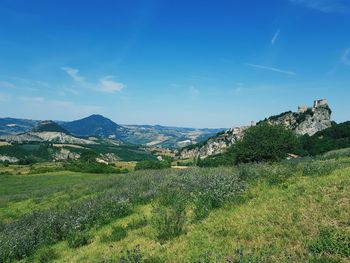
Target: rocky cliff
[307,120]
[55,137]
[214,145]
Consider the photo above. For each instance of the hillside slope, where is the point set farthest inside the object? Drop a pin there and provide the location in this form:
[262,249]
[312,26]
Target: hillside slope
[100,126]
[287,212]
[307,121]
[48,126]
[169,137]
[332,138]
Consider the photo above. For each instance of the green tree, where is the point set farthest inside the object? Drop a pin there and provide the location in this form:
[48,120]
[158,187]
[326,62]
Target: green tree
[89,156]
[152,165]
[265,142]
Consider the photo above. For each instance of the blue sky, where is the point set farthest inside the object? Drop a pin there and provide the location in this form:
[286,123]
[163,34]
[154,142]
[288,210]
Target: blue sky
[182,63]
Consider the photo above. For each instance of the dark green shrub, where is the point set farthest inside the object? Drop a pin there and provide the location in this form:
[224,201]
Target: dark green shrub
[274,174]
[333,138]
[90,167]
[79,239]
[265,142]
[89,156]
[118,233]
[137,223]
[47,255]
[222,187]
[169,221]
[225,159]
[202,206]
[152,165]
[27,161]
[41,170]
[132,256]
[170,212]
[319,168]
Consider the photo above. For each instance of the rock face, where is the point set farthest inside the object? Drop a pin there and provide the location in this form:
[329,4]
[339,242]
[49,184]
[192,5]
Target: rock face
[307,120]
[55,137]
[65,154]
[4,158]
[214,145]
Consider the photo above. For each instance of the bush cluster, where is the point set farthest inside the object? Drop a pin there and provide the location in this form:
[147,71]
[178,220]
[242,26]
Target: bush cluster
[265,142]
[91,167]
[333,138]
[200,191]
[80,239]
[169,212]
[152,165]
[22,238]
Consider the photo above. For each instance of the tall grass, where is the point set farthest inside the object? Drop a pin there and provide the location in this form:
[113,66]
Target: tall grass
[179,198]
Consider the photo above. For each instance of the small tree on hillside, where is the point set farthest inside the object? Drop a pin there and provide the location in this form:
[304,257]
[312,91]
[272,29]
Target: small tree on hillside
[265,142]
[89,156]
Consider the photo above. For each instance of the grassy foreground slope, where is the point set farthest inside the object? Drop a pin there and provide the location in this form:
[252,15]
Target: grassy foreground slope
[287,212]
[271,224]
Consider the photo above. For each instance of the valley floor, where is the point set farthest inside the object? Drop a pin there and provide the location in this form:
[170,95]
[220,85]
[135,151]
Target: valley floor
[301,216]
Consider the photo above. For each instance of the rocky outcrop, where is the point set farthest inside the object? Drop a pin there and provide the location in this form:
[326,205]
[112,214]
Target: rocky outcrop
[4,158]
[214,145]
[65,154]
[307,120]
[109,157]
[60,137]
[55,137]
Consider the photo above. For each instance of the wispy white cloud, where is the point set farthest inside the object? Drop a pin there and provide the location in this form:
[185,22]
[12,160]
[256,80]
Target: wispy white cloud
[107,84]
[286,72]
[275,36]
[326,6]
[346,57]
[73,73]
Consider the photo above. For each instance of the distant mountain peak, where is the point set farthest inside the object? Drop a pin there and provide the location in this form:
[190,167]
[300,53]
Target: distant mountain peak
[96,116]
[95,125]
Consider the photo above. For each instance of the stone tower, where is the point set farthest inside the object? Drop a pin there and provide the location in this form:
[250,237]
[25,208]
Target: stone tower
[319,103]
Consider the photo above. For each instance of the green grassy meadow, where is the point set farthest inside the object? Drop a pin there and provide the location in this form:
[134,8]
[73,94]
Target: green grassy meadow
[294,211]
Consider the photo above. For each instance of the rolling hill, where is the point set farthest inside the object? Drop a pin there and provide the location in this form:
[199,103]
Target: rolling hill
[100,126]
[95,125]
